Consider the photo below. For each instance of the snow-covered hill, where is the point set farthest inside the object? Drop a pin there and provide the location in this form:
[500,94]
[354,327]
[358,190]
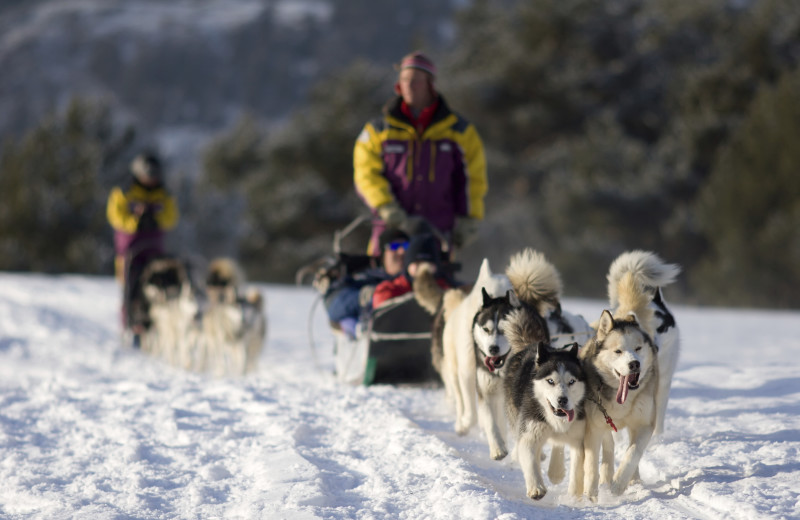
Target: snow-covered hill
[89,429]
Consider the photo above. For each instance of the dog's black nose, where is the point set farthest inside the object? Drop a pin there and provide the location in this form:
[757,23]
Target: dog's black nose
[494,350]
[562,402]
[634,365]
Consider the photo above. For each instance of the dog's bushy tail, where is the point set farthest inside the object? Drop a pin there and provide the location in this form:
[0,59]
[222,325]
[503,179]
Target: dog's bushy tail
[535,280]
[633,279]
[647,269]
[525,328]
[427,292]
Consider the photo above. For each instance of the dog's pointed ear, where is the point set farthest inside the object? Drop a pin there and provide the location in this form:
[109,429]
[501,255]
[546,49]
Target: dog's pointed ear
[512,299]
[485,272]
[604,325]
[573,351]
[487,300]
[542,353]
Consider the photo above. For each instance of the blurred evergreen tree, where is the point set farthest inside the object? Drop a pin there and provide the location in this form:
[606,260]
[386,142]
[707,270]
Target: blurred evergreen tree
[295,184]
[750,208]
[603,120]
[55,182]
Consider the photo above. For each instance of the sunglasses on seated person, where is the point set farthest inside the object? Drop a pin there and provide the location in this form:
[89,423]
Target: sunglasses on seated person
[397,244]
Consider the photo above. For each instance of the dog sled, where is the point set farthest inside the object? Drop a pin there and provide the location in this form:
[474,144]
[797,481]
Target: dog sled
[392,343]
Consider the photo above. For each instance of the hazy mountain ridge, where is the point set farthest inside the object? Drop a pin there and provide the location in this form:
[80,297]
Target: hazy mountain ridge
[183,71]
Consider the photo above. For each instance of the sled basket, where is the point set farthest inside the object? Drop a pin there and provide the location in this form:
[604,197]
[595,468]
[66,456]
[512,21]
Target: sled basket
[394,346]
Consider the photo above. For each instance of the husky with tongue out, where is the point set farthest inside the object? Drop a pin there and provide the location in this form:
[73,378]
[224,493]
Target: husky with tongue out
[492,349]
[544,387]
[621,362]
[545,390]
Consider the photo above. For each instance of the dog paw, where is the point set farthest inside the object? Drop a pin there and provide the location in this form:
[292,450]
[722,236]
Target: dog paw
[617,488]
[461,429]
[498,453]
[537,492]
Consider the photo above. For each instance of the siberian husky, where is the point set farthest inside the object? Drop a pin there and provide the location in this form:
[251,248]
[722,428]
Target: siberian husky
[234,324]
[459,362]
[542,405]
[172,308]
[491,349]
[545,390]
[622,365]
[651,273]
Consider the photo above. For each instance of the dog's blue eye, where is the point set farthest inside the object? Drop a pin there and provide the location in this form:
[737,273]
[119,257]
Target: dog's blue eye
[571,382]
[551,382]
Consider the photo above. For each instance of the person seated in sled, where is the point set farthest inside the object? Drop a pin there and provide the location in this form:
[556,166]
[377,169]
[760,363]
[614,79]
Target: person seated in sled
[346,300]
[140,214]
[421,159]
[423,253]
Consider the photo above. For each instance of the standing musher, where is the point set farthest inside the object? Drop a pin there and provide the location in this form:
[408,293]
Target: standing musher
[421,159]
[140,213]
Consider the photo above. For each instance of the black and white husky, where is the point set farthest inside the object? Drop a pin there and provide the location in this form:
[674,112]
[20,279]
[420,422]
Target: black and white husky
[545,390]
[622,362]
[491,349]
[544,387]
[471,357]
[172,307]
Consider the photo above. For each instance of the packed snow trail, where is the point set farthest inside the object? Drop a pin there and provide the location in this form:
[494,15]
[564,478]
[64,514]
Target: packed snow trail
[89,429]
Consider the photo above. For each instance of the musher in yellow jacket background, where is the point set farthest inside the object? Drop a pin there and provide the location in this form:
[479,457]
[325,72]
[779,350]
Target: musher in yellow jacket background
[140,214]
[421,159]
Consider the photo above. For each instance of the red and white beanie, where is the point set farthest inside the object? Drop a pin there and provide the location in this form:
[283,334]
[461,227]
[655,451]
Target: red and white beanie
[417,60]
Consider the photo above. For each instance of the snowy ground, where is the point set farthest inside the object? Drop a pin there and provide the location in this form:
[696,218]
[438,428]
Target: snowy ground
[91,430]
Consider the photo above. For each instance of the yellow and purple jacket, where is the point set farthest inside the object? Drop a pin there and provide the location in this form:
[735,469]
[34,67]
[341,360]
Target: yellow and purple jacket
[438,175]
[132,230]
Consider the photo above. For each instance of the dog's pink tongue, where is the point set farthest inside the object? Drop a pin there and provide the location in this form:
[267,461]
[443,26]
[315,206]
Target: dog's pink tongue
[489,362]
[570,414]
[622,391]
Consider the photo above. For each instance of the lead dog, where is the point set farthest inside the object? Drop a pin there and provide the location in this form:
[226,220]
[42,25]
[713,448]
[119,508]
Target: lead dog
[652,274]
[545,391]
[172,307]
[622,366]
[234,324]
[544,387]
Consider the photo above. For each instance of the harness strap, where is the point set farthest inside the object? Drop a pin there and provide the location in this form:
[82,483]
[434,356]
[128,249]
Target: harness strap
[602,408]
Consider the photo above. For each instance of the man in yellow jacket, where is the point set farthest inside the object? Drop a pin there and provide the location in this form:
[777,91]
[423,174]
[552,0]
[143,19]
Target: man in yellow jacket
[140,215]
[421,160]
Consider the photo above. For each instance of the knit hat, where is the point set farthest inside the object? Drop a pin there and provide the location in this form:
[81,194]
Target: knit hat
[417,60]
[390,235]
[146,167]
[423,248]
